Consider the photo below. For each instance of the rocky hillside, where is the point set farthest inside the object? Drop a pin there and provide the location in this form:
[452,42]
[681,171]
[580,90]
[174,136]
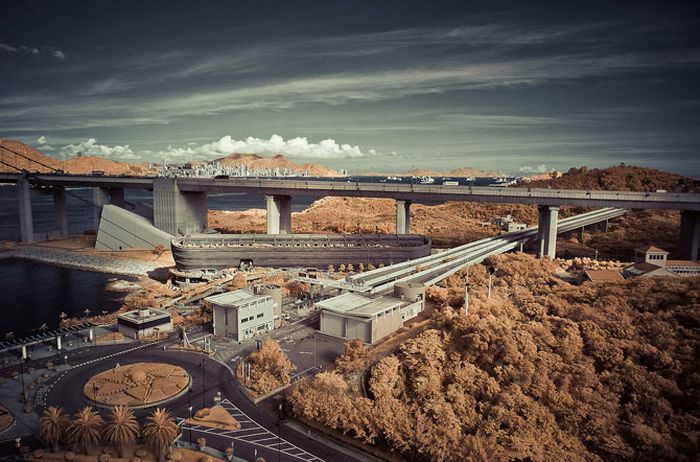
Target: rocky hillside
[620,178]
[32,160]
[279,161]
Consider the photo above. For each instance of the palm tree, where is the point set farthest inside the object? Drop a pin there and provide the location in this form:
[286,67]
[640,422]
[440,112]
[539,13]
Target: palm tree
[160,432]
[52,427]
[122,428]
[85,429]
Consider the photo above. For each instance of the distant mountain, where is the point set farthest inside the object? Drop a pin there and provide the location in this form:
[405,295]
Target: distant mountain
[87,164]
[279,161]
[29,159]
[618,178]
[34,161]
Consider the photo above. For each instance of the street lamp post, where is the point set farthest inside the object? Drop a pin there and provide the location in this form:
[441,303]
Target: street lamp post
[189,409]
[94,394]
[204,386]
[279,433]
[24,390]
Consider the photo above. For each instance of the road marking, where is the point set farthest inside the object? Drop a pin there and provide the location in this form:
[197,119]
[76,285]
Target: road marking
[269,441]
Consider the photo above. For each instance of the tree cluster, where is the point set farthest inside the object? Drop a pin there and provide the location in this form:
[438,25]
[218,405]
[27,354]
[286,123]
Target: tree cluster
[87,430]
[267,368]
[542,371]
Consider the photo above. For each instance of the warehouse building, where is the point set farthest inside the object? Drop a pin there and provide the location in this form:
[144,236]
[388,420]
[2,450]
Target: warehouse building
[369,319]
[240,315]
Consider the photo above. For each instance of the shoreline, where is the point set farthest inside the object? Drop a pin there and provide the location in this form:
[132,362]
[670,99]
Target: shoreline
[93,263]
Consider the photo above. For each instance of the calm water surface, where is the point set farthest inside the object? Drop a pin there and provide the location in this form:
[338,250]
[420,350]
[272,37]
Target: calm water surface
[33,293]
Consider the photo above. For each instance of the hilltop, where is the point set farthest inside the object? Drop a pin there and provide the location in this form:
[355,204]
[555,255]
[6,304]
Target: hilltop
[279,161]
[33,162]
[87,164]
[618,178]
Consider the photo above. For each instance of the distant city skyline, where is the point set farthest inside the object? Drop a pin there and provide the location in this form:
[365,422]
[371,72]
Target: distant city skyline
[363,86]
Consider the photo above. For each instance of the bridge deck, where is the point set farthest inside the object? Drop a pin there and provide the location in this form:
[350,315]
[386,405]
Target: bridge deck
[411,192]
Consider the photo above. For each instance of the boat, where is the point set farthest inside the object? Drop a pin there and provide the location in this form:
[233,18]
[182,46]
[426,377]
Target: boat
[215,252]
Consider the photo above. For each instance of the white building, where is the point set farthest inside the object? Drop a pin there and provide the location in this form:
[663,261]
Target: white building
[240,315]
[653,261]
[355,316]
[144,323]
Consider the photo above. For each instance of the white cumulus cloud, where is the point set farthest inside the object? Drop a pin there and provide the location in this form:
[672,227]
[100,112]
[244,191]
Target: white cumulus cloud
[90,147]
[541,168]
[294,147]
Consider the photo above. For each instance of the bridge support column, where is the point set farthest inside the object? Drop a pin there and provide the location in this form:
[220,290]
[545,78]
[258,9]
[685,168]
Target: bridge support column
[103,196]
[279,214]
[26,223]
[603,226]
[547,231]
[403,217]
[178,212]
[690,235]
[580,233]
[60,209]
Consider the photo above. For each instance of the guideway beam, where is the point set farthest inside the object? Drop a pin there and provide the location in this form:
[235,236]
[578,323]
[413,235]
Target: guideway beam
[689,244]
[403,217]
[547,231]
[279,214]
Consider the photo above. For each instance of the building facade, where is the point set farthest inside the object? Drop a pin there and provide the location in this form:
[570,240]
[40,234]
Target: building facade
[241,315]
[369,319]
[144,323]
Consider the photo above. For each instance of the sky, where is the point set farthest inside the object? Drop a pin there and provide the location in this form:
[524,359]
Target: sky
[381,86]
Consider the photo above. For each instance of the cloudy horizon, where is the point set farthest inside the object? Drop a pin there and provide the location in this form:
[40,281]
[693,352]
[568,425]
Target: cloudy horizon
[356,85]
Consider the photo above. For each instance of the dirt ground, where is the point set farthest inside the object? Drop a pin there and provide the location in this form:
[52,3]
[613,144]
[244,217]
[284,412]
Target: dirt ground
[215,417]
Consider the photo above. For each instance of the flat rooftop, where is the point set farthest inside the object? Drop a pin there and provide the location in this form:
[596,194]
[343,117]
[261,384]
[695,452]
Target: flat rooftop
[235,298]
[343,303]
[150,314]
[357,305]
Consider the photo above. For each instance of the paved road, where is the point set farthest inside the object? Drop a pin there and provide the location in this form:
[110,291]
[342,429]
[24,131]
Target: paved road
[259,429]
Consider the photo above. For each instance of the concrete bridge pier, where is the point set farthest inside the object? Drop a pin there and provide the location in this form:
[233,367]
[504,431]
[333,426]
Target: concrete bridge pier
[690,235]
[547,231]
[403,217]
[178,212]
[279,214]
[24,198]
[103,196]
[60,209]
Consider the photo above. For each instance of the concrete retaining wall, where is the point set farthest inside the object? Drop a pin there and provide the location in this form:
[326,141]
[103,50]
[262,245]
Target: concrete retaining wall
[120,230]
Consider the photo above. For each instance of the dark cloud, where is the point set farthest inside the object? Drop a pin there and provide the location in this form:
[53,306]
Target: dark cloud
[506,85]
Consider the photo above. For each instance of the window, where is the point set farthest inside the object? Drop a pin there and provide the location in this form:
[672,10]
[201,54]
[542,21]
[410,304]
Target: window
[260,315]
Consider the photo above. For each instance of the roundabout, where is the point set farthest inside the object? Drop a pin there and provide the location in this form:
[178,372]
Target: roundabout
[137,385]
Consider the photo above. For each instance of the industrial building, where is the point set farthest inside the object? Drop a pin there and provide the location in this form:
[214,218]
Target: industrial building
[352,315]
[144,323]
[240,315]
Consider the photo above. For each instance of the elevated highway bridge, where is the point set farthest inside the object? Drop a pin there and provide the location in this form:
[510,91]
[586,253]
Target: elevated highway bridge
[180,204]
